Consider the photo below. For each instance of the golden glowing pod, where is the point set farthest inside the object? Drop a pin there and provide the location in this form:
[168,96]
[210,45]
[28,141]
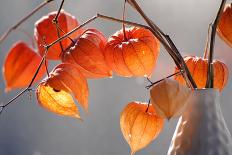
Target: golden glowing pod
[139,125]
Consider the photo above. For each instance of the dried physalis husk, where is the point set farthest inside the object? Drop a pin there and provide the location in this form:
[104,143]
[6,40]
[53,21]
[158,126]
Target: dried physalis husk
[46,31]
[20,66]
[56,101]
[55,93]
[139,125]
[198,67]
[224,28]
[169,98]
[88,53]
[134,55]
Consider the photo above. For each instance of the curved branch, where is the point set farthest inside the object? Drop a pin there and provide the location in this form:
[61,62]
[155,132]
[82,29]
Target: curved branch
[209,82]
[4,36]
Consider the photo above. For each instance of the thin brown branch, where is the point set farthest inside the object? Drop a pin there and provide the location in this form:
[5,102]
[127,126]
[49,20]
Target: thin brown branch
[46,66]
[58,35]
[58,26]
[93,19]
[144,26]
[4,36]
[12,100]
[2,107]
[72,31]
[135,5]
[176,60]
[45,61]
[60,39]
[187,75]
[210,82]
[154,83]
[55,20]
[148,105]
[149,80]
[123,18]
[119,21]
[207,42]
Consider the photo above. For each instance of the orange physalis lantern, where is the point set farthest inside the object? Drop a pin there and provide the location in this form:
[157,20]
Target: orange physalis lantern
[20,66]
[198,69]
[55,92]
[169,98]
[56,101]
[88,54]
[45,29]
[139,125]
[224,26]
[134,54]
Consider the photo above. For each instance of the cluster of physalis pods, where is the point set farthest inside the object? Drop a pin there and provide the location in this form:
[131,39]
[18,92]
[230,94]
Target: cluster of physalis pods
[131,52]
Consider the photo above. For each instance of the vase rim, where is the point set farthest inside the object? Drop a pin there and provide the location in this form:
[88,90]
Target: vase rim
[207,89]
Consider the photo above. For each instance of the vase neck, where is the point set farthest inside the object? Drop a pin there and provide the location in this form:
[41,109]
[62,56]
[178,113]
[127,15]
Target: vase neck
[206,96]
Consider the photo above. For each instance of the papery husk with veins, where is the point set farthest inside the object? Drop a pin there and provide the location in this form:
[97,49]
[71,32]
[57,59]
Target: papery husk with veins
[224,26]
[55,92]
[56,101]
[170,98]
[139,125]
[87,53]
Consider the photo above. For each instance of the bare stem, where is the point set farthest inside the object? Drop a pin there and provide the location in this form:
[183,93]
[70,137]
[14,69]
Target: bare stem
[123,17]
[45,61]
[46,66]
[149,80]
[119,21]
[4,36]
[175,58]
[58,35]
[154,83]
[29,86]
[41,62]
[207,42]
[148,105]
[187,75]
[210,82]
[67,35]
[72,31]
[55,20]
[58,26]
[13,99]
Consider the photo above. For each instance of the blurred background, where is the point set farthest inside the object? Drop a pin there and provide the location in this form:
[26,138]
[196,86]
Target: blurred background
[27,129]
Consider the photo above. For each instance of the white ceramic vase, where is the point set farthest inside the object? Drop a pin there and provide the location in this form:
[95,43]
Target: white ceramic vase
[202,130]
